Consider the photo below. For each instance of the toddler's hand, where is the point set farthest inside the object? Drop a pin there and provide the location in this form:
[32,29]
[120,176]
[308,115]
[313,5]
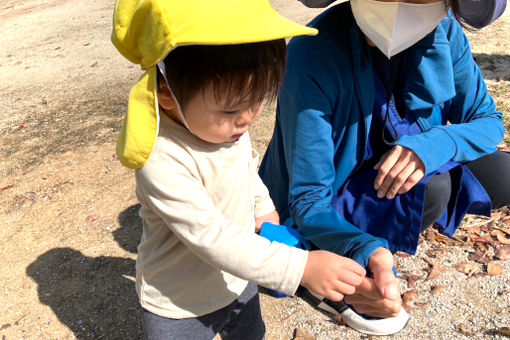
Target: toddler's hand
[331,275]
[272,217]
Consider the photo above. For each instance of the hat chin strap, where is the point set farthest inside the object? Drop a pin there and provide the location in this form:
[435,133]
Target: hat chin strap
[162,70]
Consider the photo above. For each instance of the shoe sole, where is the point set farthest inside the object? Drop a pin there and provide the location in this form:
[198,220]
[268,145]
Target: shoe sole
[386,326]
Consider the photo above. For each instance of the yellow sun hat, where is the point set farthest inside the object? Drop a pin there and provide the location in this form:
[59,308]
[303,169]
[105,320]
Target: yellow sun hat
[145,31]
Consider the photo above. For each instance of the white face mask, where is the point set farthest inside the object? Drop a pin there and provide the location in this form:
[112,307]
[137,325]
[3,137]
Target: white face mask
[396,26]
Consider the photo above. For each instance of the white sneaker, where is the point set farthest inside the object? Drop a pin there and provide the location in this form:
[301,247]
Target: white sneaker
[373,326]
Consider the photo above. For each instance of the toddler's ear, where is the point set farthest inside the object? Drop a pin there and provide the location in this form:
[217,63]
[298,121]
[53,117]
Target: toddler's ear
[165,98]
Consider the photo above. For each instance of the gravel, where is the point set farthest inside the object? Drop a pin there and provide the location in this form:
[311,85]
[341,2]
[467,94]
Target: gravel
[469,307]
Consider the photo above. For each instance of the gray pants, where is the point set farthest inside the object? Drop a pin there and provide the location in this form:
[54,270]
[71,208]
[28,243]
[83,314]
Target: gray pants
[241,320]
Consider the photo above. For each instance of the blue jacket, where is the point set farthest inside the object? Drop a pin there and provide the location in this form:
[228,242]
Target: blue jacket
[325,108]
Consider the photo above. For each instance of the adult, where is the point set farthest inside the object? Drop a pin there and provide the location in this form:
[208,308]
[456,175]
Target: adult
[385,126]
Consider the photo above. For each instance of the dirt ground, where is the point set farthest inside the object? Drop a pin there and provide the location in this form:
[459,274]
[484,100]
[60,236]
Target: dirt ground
[68,215]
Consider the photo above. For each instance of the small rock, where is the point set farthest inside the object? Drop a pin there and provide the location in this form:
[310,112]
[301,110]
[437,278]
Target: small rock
[437,290]
[463,329]
[302,334]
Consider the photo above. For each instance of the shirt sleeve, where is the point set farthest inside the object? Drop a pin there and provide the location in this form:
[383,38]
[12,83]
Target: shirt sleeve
[474,128]
[263,203]
[173,190]
[306,105]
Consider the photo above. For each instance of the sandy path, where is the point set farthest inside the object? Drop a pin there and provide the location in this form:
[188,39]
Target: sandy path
[68,219]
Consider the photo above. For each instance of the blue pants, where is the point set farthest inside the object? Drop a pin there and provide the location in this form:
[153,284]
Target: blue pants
[241,319]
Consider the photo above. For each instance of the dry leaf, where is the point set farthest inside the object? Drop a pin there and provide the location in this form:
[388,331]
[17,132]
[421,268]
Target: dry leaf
[465,268]
[435,272]
[506,230]
[503,331]
[474,230]
[480,257]
[302,334]
[422,305]
[480,246]
[494,269]
[430,262]
[287,317]
[441,238]
[430,235]
[437,290]
[502,238]
[503,253]
[340,320]
[403,255]
[407,308]
[505,292]
[409,296]
[411,280]
[6,187]
[91,218]
[497,215]
[486,239]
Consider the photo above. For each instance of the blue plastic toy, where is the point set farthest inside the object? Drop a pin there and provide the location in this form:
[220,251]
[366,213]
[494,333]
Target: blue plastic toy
[285,235]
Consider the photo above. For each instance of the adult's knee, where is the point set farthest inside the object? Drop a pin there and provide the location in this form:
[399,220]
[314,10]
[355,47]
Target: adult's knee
[493,172]
[437,197]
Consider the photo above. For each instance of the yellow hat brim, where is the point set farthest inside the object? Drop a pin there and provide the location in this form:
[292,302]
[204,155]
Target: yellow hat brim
[240,30]
[145,31]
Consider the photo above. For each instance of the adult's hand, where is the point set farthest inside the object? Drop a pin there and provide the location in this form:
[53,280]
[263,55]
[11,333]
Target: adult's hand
[378,296]
[399,169]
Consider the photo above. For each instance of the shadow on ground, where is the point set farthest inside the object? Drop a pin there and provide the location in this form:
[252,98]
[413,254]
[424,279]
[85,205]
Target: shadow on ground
[494,66]
[94,297]
[130,231]
[90,295]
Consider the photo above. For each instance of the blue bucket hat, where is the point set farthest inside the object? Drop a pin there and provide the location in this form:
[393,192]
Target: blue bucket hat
[476,13]
[481,13]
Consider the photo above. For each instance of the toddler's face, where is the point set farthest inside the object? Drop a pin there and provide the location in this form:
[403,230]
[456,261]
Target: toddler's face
[215,122]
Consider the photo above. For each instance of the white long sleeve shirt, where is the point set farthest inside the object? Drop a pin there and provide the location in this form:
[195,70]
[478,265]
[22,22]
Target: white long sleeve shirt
[199,248]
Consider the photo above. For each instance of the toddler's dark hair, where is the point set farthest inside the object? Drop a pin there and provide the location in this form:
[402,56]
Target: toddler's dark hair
[237,73]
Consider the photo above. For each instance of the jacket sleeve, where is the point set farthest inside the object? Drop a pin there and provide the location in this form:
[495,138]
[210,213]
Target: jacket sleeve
[474,127]
[175,193]
[307,97]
